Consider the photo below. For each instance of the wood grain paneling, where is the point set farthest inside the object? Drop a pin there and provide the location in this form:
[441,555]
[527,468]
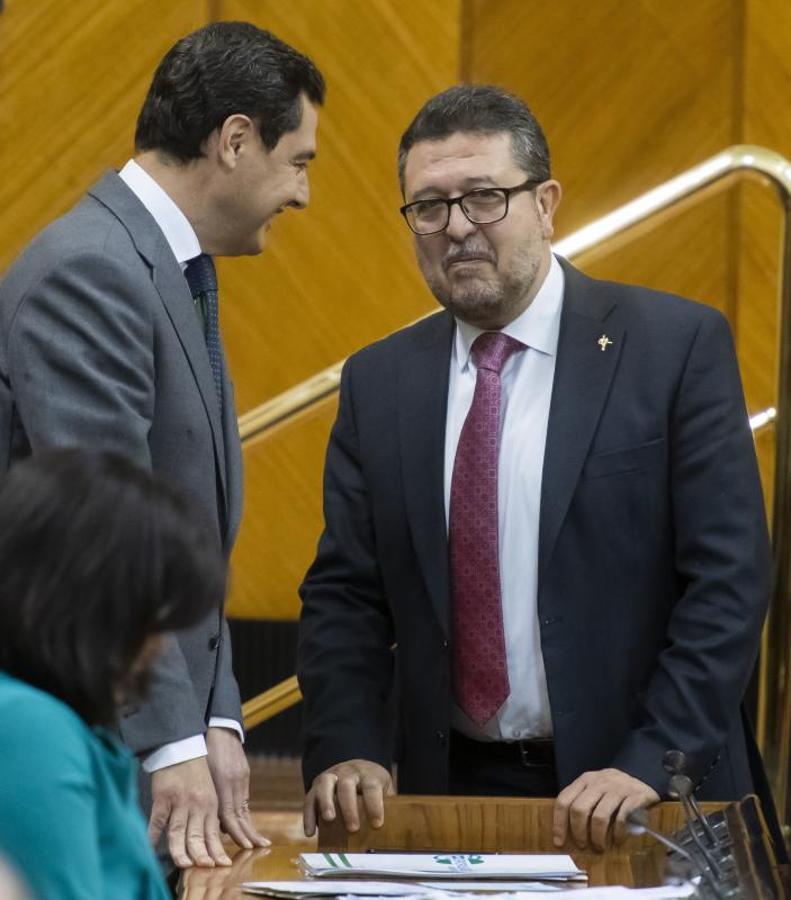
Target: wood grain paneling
[766,92]
[629,94]
[283,516]
[340,274]
[72,79]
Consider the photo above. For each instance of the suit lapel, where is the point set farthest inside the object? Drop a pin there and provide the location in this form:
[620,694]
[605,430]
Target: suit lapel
[583,372]
[175,294]
[422,407]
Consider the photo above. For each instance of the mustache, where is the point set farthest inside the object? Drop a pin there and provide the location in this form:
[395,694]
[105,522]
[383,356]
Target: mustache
[469,250]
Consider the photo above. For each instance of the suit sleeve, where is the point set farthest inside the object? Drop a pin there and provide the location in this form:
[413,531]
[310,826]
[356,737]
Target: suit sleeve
[81,366]
[722,561]
[225,701]
[344,660]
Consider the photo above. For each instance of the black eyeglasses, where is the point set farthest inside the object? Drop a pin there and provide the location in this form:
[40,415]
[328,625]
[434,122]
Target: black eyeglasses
[483,206]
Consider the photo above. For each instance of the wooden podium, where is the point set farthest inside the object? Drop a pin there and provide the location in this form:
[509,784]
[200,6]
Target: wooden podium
[508,824]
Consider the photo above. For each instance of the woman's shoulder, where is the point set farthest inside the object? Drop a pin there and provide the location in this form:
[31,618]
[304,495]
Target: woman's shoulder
[33,723]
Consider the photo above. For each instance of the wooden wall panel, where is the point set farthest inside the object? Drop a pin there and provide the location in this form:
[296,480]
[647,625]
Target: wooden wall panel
[335,276]
[283,516]
[339,274]
[629,94]
[766,93]
[72,79]
[683,254]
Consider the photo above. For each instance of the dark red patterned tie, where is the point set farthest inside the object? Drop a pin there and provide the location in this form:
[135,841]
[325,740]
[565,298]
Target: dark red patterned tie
[480,670]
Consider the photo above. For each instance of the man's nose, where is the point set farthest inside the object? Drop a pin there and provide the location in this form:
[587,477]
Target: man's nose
[459,226]
[302,195]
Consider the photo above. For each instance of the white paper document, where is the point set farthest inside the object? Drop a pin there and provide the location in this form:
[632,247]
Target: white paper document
[435,866]
[290,890]
[327,888]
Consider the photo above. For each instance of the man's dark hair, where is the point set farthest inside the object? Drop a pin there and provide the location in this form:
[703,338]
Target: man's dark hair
[479,109]
[218,71]
[96,556]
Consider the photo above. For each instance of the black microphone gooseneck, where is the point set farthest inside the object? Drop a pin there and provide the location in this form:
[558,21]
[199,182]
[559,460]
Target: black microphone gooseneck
[637,823]
[681,789]
[675,764]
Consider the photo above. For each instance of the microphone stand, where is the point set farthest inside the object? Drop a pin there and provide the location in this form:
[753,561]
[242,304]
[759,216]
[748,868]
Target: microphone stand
[681,789]
[637,823]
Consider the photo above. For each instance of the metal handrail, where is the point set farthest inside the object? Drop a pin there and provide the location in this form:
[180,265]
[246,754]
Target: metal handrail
[265,706]
[774,691]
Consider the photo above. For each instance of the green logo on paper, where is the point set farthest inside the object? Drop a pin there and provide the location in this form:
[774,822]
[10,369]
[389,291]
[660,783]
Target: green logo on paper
[459,861]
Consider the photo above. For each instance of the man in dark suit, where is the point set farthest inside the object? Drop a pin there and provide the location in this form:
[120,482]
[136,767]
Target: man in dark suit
[546,497]
[109,338]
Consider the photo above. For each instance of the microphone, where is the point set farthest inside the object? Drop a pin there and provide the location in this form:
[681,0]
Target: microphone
[680,789]
[637,824]
[674,763]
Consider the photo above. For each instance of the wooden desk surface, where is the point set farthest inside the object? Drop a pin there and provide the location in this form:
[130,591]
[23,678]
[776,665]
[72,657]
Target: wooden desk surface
[500,825]
[278,863]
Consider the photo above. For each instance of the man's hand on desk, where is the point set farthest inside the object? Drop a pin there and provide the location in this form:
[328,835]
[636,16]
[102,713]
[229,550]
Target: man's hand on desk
[341,784]
[597,802]
[231,775]
[185,804]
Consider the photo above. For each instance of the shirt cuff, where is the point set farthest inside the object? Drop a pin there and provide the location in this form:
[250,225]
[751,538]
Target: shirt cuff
[174,753]
[220,722]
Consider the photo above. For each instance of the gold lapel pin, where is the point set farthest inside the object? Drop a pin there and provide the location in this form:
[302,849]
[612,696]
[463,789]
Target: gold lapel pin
[604,342]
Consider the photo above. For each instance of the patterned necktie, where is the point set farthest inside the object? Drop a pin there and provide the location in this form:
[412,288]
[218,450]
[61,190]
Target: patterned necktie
[480,670]
[202,279]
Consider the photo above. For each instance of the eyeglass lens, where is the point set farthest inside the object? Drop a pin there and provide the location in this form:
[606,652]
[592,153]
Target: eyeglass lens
[481,208]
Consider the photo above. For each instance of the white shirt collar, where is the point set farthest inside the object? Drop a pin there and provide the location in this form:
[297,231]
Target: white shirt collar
[175,226]
[537,327]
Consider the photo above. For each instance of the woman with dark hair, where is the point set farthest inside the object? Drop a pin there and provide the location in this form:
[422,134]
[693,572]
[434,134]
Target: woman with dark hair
[97,558]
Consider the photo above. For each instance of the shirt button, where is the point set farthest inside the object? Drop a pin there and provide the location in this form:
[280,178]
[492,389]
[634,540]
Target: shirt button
[442,738]
[445,644]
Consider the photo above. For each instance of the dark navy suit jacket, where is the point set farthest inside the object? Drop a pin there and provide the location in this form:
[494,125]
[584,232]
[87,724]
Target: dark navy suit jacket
[654,559]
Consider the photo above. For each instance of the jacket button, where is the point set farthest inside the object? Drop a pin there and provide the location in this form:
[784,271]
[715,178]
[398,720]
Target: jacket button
[214,642]
[445,644]
[442,738]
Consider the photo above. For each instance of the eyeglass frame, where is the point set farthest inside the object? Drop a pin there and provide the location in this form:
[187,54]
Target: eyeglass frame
[525,186]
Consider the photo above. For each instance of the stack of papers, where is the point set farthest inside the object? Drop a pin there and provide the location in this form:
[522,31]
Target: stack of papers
[434,866]
[290,890]
[350,890]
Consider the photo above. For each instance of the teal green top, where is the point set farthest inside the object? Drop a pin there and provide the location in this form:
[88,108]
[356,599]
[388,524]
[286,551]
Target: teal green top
[70,823]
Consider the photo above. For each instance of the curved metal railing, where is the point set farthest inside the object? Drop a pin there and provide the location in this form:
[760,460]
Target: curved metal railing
[774,694]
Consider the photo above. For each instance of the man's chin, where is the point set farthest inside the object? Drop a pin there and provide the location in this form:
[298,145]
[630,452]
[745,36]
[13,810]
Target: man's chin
[478,308]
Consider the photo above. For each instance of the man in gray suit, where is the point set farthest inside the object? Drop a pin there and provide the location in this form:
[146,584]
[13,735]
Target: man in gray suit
[109,338]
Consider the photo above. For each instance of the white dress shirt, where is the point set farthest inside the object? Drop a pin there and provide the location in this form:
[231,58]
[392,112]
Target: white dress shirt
[526,390]
[184,243]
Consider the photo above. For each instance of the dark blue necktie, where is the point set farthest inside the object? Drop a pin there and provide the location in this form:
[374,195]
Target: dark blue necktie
[202,279]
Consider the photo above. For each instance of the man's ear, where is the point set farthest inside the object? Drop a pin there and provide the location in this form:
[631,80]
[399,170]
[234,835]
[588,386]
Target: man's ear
[548,195]
[232,140]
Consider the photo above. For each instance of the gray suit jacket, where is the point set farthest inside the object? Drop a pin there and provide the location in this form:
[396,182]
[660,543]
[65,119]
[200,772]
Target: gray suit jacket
[100,345]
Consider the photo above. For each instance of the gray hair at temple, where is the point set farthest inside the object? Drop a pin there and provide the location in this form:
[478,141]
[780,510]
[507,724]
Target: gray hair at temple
[479,109]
